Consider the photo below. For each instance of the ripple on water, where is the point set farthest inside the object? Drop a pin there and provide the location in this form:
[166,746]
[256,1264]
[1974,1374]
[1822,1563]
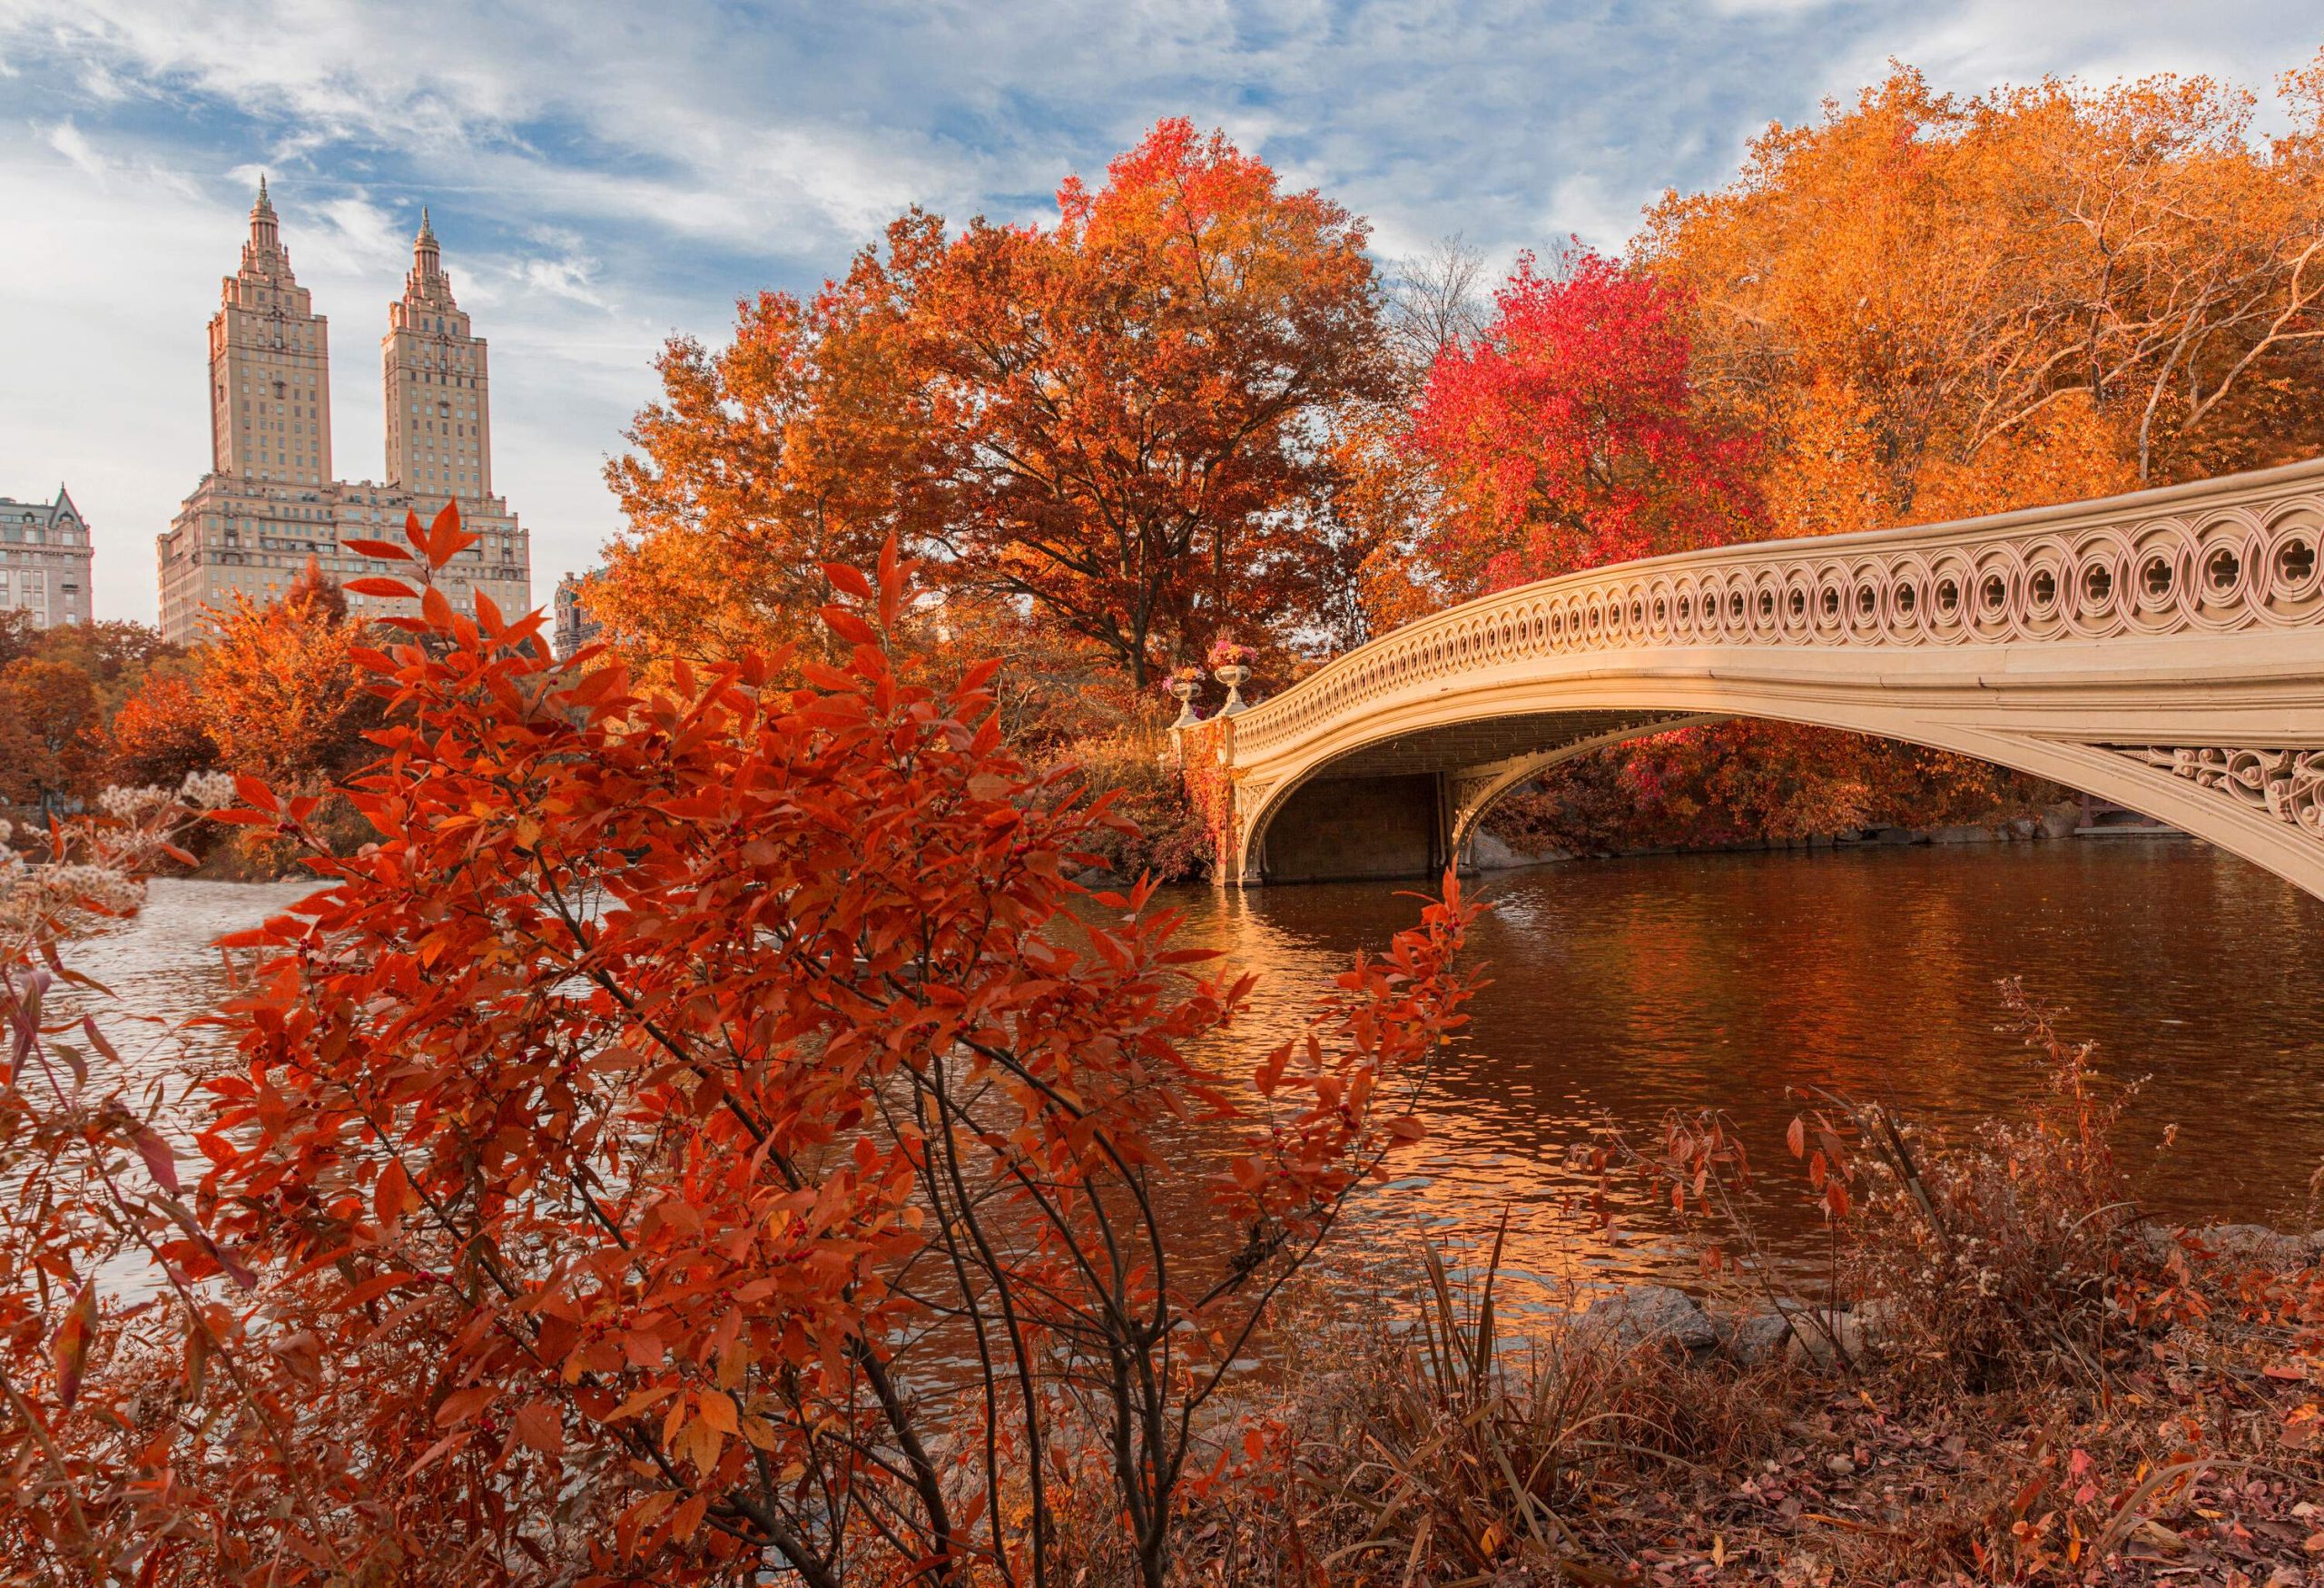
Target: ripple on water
[161,968]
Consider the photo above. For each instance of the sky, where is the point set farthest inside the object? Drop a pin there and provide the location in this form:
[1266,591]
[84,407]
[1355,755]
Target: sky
[605,175]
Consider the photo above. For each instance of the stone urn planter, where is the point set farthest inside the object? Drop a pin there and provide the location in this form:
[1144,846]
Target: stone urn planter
[1233,676]
[1184,690]
[1230,662]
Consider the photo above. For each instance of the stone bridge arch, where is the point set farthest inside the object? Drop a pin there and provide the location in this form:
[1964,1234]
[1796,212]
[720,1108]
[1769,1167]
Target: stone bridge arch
[2163,649]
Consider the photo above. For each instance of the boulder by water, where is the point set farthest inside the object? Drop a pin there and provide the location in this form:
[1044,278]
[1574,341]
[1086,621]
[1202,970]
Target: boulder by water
[1655,1315]
[1855,1333]
[1756,1339]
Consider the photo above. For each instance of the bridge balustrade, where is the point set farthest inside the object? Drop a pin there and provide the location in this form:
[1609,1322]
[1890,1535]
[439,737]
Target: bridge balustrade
[2199,608]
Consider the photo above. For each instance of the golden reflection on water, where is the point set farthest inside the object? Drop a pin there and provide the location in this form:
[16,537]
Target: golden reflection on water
[1623,989]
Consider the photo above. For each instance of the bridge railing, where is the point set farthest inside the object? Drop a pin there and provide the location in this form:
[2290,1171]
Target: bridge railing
[2242,551]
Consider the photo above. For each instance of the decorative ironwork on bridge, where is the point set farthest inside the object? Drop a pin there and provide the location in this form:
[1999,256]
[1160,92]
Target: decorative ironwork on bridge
[2064,640]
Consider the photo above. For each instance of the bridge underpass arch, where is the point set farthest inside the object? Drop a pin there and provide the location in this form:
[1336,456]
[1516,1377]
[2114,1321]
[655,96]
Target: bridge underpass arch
[1411,824]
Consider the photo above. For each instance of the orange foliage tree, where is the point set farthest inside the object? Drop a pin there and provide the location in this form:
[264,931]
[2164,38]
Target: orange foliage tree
[695,1142]
[48,714]
[281,696]
[273,691]
[1128,404]
[58,686]
[794,445]
[1934,305]
[1124,420]
[160,735]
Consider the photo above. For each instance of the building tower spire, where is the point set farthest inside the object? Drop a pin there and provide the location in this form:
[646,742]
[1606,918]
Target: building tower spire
[266,236]
[427,260]
[438,387]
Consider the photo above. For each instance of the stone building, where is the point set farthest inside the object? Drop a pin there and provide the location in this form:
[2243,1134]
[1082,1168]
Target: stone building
[271,498]
[575,626]
[46,560]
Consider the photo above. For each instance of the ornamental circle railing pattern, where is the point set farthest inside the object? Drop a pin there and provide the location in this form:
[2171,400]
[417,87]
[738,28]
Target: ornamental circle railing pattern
[2252,564]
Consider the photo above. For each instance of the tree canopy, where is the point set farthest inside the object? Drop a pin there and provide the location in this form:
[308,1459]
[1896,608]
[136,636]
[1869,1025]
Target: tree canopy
[1124,419]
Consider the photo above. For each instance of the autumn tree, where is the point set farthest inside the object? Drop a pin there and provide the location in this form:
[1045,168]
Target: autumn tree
[1934,305]
[160,735]
[797,443]
[1130,405]
[48,719]
[1124,419]
[117,656]
[17,634]
[69,679]
[1568,434]
[280,695]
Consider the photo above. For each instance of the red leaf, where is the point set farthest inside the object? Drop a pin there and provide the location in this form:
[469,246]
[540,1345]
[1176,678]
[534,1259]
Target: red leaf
[393,1197]
[1270,1070]
[71,1344]
[851,581]
[445,541]
[849,627]
[384,551]
[892,582]
[538,1426]
[463,1404]
[159,1161]
[444,1447]
[375,585]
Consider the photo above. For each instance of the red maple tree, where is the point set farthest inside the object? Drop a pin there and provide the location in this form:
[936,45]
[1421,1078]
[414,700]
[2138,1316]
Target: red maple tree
[1567,433]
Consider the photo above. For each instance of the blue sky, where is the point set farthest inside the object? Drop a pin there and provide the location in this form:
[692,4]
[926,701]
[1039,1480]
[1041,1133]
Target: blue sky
[603,175]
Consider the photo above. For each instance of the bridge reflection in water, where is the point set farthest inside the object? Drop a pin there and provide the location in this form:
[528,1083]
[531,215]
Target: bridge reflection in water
[2163,650]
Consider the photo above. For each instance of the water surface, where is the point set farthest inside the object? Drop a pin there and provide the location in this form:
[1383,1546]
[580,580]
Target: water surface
[1624,989]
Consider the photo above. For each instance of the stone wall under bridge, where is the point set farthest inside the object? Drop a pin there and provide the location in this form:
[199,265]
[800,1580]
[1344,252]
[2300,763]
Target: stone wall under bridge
[2163,650]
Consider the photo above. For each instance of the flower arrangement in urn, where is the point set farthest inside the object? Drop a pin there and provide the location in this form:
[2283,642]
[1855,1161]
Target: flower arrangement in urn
[1181,683]
[1230,663]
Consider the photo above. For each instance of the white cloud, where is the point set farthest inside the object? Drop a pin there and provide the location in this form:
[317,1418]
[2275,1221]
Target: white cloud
[570,277]
[68,141]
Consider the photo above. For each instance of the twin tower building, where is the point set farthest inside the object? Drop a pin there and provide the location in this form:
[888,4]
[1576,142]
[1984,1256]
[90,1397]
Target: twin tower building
[272,499]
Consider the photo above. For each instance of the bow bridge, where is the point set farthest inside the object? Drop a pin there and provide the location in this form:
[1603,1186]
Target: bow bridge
[2164,650]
